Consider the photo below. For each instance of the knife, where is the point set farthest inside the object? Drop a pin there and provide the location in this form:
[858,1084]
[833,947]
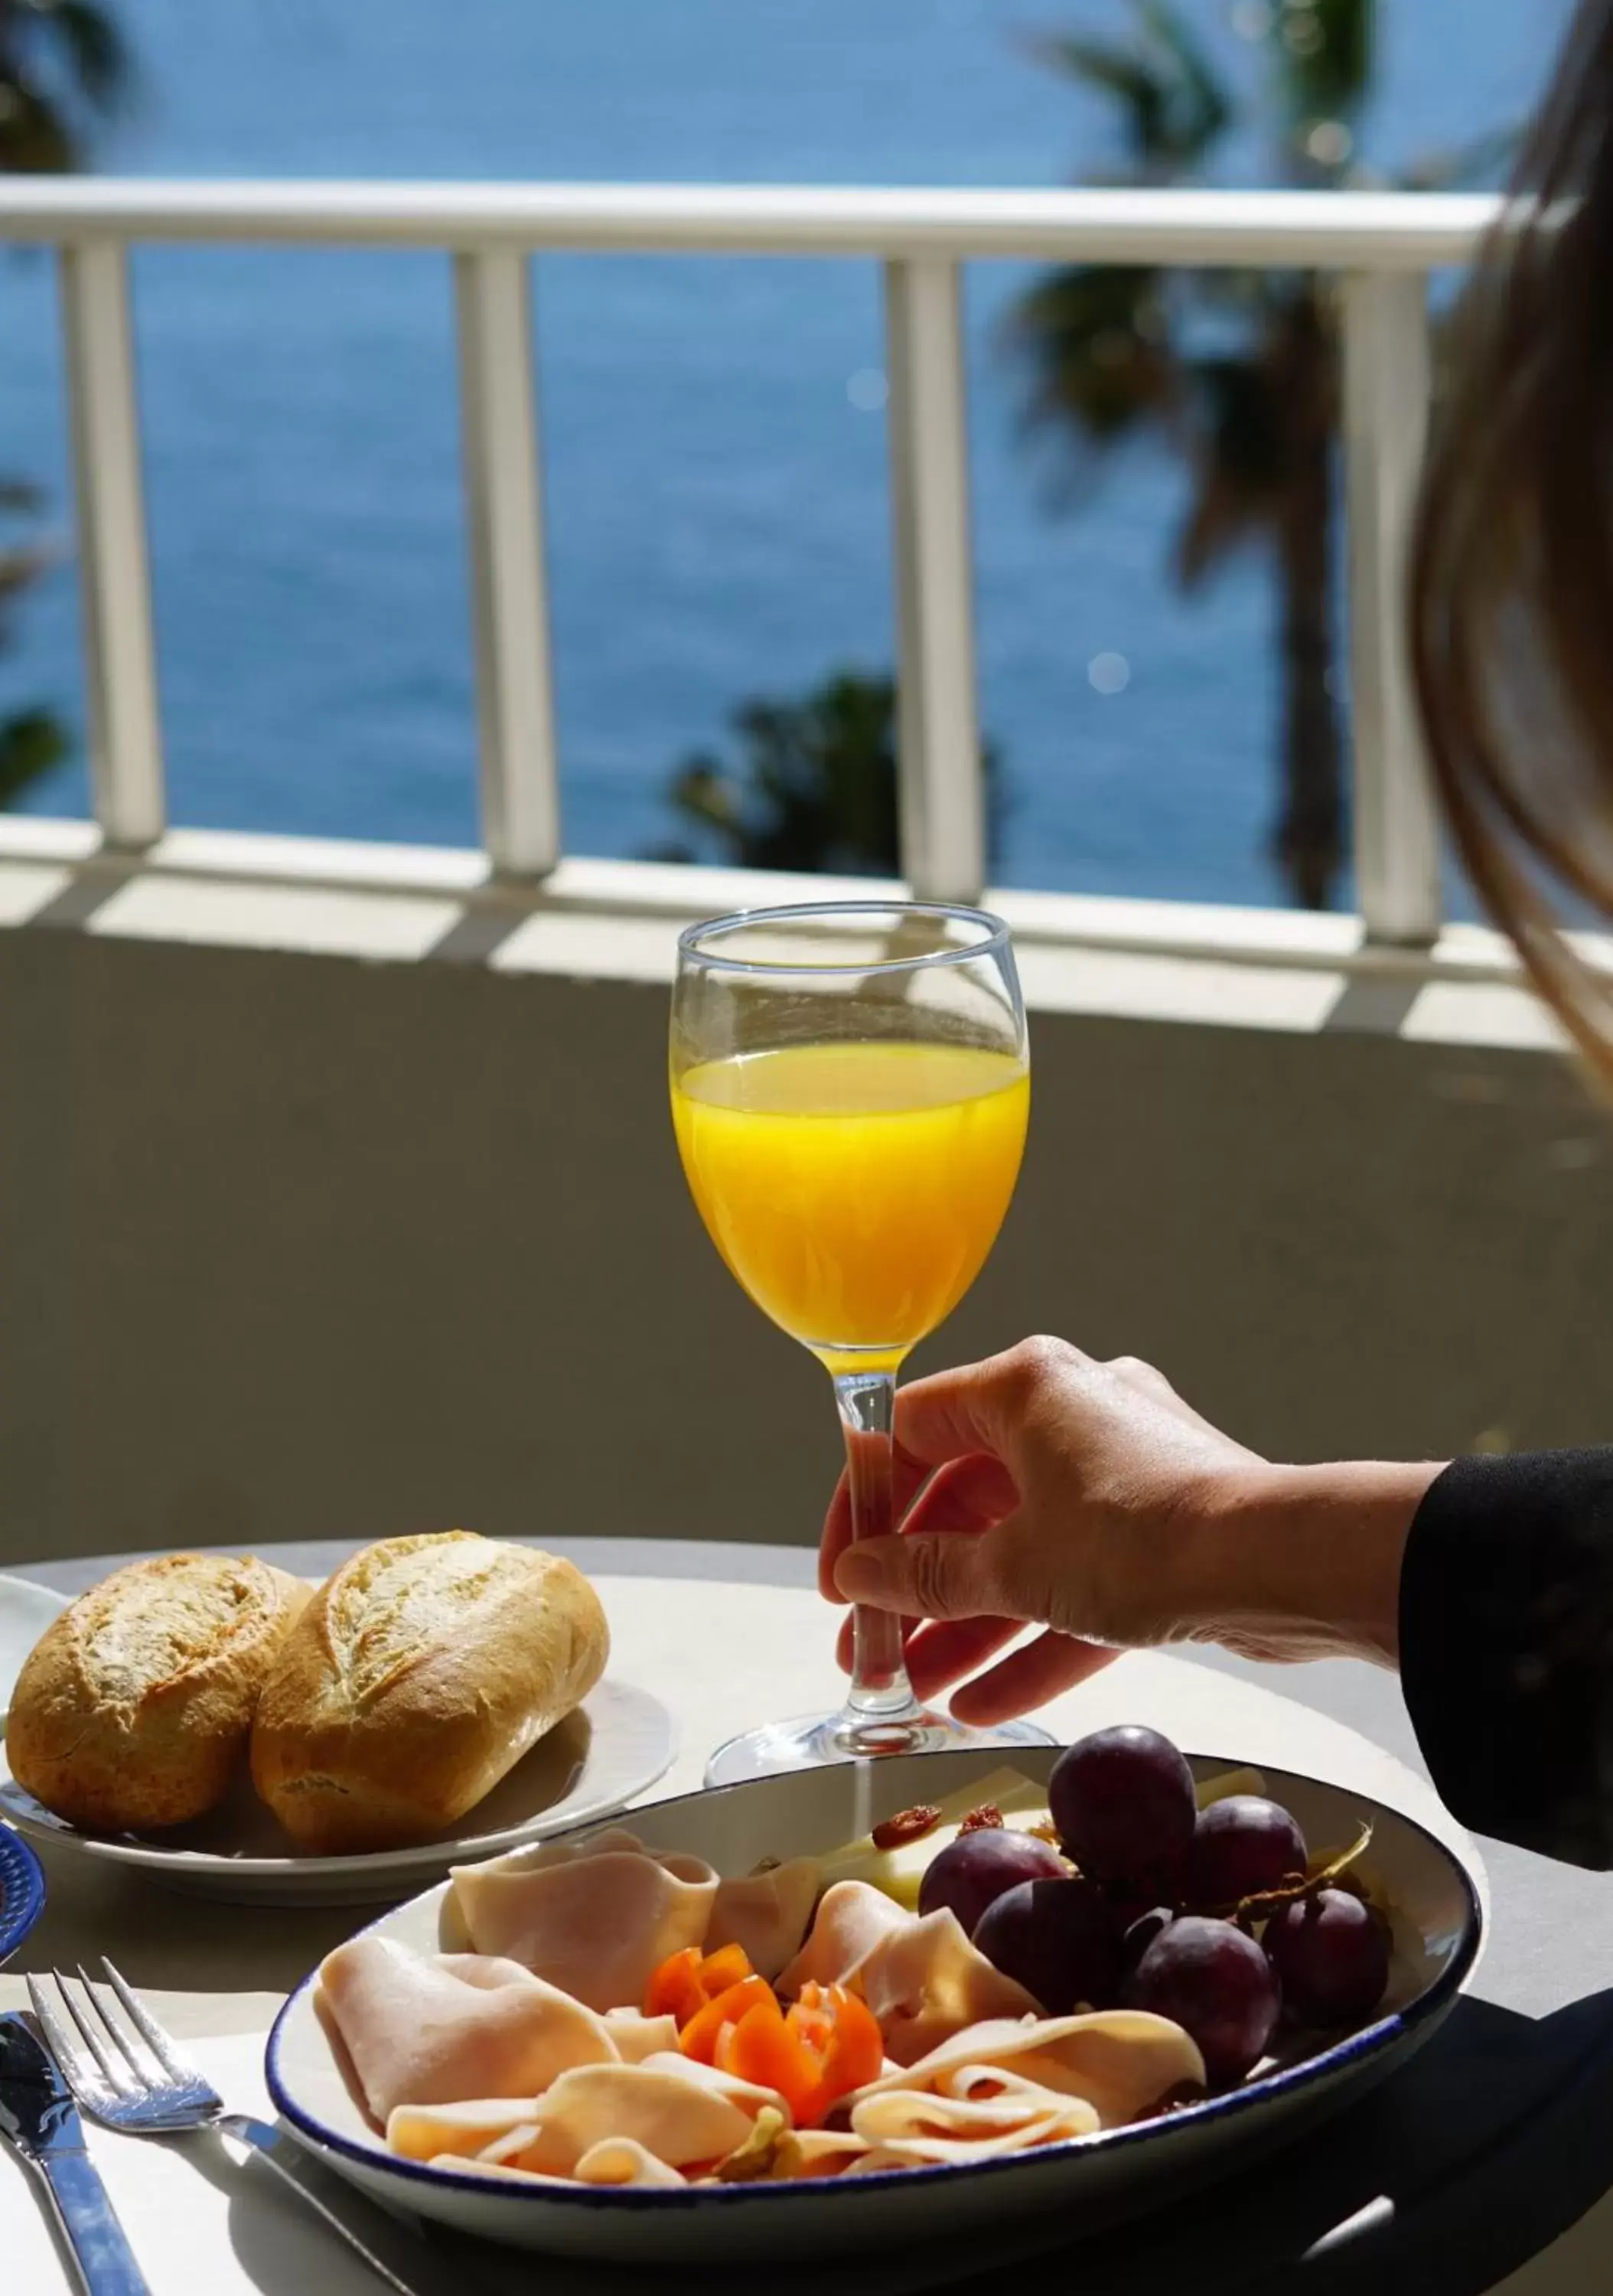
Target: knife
[39,2120]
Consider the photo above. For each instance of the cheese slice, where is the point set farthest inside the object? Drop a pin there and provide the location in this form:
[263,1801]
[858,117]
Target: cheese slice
[899,1872]
[1229,1783]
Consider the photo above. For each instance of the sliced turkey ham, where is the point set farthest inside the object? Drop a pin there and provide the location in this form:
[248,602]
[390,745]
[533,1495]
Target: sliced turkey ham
[766,1914]
[595,1918]
[1002,2114]
[421,2032]
[852,1919]
[920,1974]
[679,2121]
[1120,2061]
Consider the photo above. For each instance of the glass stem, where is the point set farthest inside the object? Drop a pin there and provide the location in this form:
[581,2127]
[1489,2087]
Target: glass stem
[879,1689]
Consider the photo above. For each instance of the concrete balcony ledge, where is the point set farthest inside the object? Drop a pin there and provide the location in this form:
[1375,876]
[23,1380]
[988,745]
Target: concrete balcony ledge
[1173,961]
[338,1197]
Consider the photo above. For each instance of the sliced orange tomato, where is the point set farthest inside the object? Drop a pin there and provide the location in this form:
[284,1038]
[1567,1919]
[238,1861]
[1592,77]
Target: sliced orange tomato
[685,1981]
[827,2044]
[699,2038]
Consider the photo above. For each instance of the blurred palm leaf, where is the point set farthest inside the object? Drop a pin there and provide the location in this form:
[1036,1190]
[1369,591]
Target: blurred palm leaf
[1101,361]
[93,51]
[1237,455]
[64,65]
[1323,51]
[31,742]
[815,786]
[1236,371]
[64,68]
[1173,104]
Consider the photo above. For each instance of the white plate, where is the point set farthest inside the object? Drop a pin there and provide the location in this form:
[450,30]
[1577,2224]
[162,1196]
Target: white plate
[617,1744]
[1092,2182]
[26,1610]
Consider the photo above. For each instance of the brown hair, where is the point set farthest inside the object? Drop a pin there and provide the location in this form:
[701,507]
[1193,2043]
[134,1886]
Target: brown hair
[1512,572]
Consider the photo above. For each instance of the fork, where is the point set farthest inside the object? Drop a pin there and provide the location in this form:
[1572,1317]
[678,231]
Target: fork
[130,2074]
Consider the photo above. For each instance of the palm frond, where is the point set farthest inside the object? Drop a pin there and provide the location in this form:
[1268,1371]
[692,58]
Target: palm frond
[1324,56]
[31,742]
[1237,462]
[19,498]
[1172,105]
[1095,339]
[36,138]
[93,49]
[813,783]
[1203,103]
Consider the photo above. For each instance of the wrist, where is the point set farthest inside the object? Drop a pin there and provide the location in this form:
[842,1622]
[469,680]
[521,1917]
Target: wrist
[1295,1562]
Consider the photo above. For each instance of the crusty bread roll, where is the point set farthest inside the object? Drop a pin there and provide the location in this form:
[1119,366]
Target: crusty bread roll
[135,1705]
[421,1672]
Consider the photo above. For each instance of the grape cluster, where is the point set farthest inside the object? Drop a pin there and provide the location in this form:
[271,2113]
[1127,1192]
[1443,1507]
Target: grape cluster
[1190,1913]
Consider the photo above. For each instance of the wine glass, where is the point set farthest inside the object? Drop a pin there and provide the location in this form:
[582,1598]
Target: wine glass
[851,1086]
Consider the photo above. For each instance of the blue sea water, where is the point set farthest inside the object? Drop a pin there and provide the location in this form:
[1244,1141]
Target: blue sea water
[716,492]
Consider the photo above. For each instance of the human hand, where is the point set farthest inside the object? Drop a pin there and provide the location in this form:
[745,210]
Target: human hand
[1044,1487]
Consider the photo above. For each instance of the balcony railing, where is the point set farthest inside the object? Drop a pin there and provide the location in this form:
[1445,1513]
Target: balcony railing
[1381,247]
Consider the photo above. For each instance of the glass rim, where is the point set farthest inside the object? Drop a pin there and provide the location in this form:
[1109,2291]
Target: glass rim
[995,937]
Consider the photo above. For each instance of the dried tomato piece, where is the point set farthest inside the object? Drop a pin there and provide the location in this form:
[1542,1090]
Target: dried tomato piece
[907,1825]
[982,1820]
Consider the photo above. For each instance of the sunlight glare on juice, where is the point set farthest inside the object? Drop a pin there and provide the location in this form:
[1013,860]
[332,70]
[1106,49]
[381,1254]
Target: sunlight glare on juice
[854,1189]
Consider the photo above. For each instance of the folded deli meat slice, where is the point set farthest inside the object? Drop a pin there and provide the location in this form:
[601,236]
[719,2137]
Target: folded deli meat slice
[851,1920]
[920,1974]
[677,2121]
[432,2132]
[767,1913]
[746,2094]
[623,2160]
[595,1918]
[423,2031]
[1000,2112]
[637,2037]
[613,2160]
[1120,2061]
[926,1981]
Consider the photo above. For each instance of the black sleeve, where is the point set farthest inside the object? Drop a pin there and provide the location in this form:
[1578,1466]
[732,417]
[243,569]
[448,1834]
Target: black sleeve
[1506,1648]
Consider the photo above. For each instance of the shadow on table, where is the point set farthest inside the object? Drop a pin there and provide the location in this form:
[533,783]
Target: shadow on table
[1477,2155]
[168,1942]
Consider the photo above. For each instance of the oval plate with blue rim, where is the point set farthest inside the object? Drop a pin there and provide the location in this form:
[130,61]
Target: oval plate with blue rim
[1435,1889]
[21,1891]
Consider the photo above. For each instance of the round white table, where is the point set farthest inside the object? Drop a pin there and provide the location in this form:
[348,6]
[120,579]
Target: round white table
[1468,2166]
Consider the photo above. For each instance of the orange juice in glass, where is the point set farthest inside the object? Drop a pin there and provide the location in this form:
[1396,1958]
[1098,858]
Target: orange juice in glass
[850,1090]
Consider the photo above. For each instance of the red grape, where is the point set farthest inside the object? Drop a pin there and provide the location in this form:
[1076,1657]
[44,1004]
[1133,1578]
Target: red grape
[1123,1802]
[1332,1954]
[1058,1939]
[978,1866]
[1213,1980]
[1139,1935]
[1241,1846]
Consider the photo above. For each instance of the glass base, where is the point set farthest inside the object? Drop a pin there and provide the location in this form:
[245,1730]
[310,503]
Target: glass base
[811,1739]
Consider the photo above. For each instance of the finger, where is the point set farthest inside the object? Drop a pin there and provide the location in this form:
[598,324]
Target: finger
[970,1494]
[938,1655]
[908,1479]
[972,1409]
[1029,1677]
[942,1576]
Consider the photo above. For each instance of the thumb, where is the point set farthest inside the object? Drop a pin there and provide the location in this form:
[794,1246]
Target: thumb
[943,1577]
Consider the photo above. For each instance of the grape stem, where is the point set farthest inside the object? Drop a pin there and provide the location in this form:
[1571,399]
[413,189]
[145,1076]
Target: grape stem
[1263,1903]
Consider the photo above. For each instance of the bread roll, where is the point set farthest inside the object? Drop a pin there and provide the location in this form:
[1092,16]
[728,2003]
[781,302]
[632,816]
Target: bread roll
[421,1672]
[135,1705]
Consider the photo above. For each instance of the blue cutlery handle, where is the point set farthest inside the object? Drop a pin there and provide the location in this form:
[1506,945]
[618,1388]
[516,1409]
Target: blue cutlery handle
[105,2260]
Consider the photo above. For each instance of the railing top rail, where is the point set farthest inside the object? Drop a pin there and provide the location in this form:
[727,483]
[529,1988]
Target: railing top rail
[1341,231]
